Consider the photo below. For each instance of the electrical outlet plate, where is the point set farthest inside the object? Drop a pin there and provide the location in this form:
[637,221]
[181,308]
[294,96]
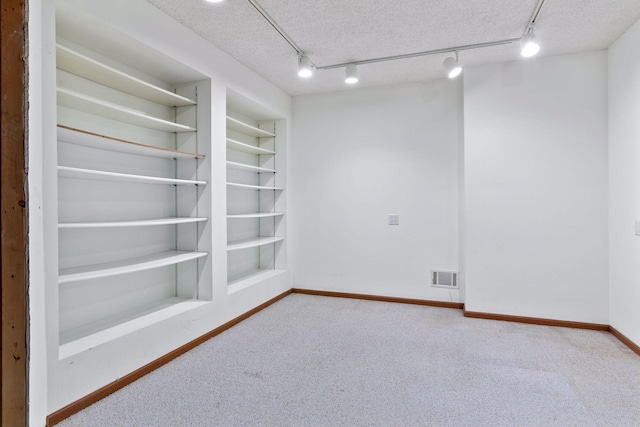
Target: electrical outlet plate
[637,228]
[394,219]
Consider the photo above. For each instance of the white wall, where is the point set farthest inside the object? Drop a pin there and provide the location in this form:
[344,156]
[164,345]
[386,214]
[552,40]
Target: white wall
[624,183]
[535,213]
[359,155]
[41,116]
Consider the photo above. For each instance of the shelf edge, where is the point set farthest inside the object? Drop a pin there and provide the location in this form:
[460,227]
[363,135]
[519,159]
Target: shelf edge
[117,270]
[68,131]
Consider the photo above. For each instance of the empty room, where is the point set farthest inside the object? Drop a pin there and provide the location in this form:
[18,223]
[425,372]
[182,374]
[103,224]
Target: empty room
[320,213]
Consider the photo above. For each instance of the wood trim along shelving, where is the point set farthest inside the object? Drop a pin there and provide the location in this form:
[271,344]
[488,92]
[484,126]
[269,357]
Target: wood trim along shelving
[103,142]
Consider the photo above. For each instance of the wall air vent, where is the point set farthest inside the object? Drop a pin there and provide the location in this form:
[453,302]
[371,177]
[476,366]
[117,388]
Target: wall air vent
[444,279]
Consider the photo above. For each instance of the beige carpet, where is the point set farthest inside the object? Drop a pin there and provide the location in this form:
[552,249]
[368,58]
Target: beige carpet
[318,361]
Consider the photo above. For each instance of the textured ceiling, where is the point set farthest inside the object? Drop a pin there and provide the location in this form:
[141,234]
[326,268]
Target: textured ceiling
[339,31]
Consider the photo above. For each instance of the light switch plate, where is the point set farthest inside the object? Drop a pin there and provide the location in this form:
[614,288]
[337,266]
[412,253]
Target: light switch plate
[637,228]
[394,219]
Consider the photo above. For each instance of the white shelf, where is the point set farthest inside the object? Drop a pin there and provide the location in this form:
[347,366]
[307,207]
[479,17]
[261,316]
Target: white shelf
[252,278]
[132,265]
[250,168]
[246,148]
[94,140]
[252,243]
[70,172]
[251,187]
[256,215]
[89,336]
[83,66]
[89,104]
[137,223]
[247,129]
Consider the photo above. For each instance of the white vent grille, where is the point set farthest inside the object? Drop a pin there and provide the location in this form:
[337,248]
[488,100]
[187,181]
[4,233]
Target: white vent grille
[444,279]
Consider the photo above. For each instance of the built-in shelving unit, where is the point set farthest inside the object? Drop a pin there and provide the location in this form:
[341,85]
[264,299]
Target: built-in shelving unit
[254,190]
[132,172]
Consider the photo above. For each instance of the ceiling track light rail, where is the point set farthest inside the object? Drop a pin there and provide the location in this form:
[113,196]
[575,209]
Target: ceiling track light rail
[534,16]
[276,27]
[418,54]
[452,66]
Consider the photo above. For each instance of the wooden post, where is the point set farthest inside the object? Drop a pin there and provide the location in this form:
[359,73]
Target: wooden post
[13,208]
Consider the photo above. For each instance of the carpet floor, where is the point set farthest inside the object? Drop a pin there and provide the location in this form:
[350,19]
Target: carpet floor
[319,361]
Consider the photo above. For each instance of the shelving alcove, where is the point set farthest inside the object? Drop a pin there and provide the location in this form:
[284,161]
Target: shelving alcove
[133,198]
[255,199]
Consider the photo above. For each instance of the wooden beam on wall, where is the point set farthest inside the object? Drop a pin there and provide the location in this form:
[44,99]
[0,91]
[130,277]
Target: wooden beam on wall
[13,202]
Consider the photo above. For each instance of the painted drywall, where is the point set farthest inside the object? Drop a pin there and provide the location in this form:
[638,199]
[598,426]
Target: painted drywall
[359,155]
[624,183]
[535,214]
[55,382]
[41,116]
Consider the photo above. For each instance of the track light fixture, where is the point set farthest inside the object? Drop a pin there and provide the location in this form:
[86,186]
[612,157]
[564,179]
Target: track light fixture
[529,47]
[528,44]
[351,74]
[305,68]
[452,67]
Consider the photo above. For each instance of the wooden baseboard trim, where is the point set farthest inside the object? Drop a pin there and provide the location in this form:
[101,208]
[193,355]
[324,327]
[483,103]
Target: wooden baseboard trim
[101,393]
[537,321]
[431,303]
[562,323]
[626,341]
